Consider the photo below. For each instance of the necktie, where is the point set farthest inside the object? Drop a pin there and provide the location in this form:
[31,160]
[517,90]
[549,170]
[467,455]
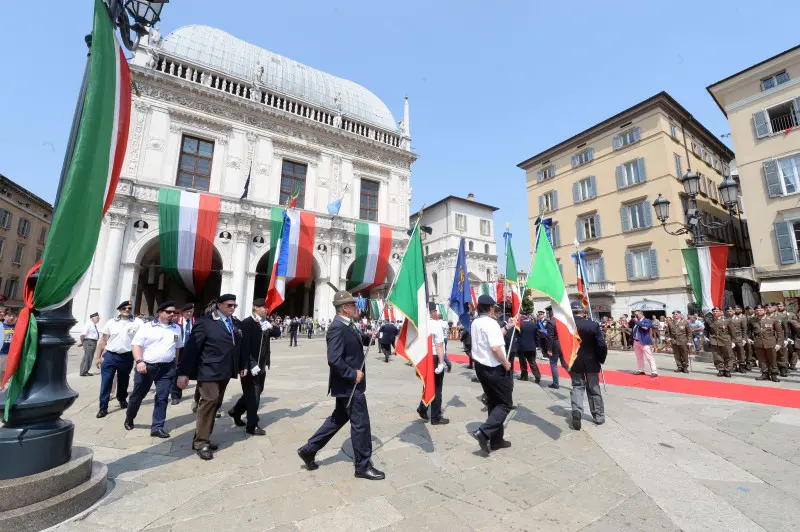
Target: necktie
[96,332]
[229,325]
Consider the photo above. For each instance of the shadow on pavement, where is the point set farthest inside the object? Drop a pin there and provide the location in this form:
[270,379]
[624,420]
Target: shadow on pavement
[525,415]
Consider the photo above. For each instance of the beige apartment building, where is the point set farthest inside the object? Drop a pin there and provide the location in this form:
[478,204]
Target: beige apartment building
[24,225]
[598,188]
[762,104]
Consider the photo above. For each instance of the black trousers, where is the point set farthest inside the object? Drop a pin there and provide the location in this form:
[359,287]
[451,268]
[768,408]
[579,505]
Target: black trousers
[251,396]
[497,385]
[436,404]
[292,338]
[360,432]
[386,349]
[528,358]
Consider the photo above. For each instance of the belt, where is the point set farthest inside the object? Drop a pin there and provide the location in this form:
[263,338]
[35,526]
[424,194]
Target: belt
[490,368]
[121,354]
[159,364]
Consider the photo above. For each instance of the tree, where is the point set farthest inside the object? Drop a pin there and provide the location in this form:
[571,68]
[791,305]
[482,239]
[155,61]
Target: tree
[527,302]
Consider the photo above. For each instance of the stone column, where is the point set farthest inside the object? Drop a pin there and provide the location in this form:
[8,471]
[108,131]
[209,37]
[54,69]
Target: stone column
[250,295]
[336,264]
[112,263]
[239,286]
[130,275]
[226,286]
[323,295]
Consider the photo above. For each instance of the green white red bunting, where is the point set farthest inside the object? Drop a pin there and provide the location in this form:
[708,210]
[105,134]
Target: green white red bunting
[187,224]
[373,245]
[706,268]
[86,193]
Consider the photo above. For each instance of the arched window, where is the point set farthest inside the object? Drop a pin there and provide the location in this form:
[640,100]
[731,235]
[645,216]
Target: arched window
[488,275]
[486,248]
[435,281]
[471,245]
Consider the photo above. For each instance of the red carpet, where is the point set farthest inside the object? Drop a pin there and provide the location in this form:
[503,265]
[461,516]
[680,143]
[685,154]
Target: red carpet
[705,388]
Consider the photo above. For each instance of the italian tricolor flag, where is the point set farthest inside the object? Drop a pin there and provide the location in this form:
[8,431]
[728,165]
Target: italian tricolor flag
[495,290]
[511,279]
[373,244]
[409,297]
[92,173]
[546,279]
[706,269]
[187,224]
[376,308]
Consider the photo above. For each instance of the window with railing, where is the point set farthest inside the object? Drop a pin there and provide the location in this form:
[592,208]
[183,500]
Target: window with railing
[774,80]
[595,269]
[194,166]
[779,118]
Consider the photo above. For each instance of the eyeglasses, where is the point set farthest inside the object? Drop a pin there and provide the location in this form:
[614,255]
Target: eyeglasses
[170,311]
[126,308]
[231,305]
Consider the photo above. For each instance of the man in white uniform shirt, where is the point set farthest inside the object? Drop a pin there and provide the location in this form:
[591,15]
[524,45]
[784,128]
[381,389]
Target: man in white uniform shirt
[492,368]
[437,339]
[89,338]
[114,350]
[155,347]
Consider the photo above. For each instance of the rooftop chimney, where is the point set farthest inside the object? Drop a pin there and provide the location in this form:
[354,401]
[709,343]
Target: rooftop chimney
[471,196]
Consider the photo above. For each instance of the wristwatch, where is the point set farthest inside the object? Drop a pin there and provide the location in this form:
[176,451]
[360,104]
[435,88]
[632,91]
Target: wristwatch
[140,360]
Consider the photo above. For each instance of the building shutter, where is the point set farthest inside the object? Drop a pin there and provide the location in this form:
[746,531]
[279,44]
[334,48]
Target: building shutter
[574,161]
[796,103]
[761,121]
[555,235]
[561,270]
[576,192]
[626,223]
[783,236]
[598,234]
[592,186]
[629,265]
[539,176]
[648,214]
[772,178]
[678,165]
[541,204]
[636,134]
[590,154]
[617,142]
[642,171]
[601,269]
[555,199]
[579,230]
[653,264]
[620,177]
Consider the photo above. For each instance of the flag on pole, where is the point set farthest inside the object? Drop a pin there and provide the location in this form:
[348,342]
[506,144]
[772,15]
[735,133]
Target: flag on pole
[388,312]
[334,207]
[546,279]
[376,308]
[442,311]
[293,255]
[292,204]
[511,279]
[706,268]
[373,246]
[474,297]
[409,296]
[247,184]
[493,289]
[88,189]
[581,272]
[187,225]
[461,294]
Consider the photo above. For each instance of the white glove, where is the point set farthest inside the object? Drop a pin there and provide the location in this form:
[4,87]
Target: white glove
[265,325]
[791,342]
[440,368]
[733,345]
[255,370]
[749,340]
[786,342]
[777,347]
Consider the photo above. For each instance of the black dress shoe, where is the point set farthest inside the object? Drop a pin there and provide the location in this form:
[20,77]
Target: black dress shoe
[720,373]
[160,433]
[255,431]
[213,446]
[423,413]
[237,420]
[449,368]
[686,370]
[483,441]
[763,377]
[440,421]
[176,401]
[504,444]
[523,377]
[205,452]
[102,413]
[371,473]
[538,380]
[576,420]
[553,386]
[123,404]
[775,378]
[475,379]
[194,407]
[784,373]
[219,414]
[728,374]
[308,459]
[128,424]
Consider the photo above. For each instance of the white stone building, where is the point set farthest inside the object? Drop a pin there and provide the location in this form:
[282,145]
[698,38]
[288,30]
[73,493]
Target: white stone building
[451,219]
[209,108]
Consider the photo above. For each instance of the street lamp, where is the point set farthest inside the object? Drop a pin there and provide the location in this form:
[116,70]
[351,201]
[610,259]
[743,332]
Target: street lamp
[143,13]
[728,191]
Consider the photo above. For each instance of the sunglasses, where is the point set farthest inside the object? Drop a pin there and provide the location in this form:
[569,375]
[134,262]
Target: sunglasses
[126,308]
[170,311]
[231,305]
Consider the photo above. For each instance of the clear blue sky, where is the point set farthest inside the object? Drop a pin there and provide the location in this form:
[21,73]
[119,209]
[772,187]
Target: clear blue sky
[490,84]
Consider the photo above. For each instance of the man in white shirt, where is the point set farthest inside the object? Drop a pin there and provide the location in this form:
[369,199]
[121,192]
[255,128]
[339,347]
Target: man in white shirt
[492,368]
[437,339]
[89,338]
[114,350]
[155,348]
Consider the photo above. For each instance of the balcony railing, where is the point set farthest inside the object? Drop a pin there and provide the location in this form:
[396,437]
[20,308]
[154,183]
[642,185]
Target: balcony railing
[600,287]
[783,122]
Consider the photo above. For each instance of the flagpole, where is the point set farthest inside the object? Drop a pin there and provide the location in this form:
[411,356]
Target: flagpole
[582,273]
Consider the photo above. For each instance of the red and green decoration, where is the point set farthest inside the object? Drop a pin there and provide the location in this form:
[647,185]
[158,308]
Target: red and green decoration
[86,193]
[706,268]
[373,246]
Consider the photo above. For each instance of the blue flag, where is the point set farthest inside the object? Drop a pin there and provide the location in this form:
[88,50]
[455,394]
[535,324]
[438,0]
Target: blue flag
[461,296]
[334,206]
[247,184]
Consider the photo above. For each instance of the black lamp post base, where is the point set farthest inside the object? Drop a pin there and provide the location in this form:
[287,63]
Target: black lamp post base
[35,448]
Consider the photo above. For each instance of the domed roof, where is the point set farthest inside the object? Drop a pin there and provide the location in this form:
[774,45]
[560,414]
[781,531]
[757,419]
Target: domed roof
[217,49]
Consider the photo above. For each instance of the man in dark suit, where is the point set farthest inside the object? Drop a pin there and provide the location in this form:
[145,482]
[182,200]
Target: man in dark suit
[387,335]
[256,334]
[528,337]
[345,358]
[212,357]
[294,327]
[585,371]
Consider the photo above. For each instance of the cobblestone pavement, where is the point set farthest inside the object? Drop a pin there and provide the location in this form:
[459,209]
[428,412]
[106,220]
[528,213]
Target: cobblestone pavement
[662,461]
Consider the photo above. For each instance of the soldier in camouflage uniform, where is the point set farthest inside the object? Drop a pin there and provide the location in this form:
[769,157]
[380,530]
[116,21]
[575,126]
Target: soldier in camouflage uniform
[750,351]
[739,338]
[767,339]
[679,334]
[720,331]
[783,353]
[794,328]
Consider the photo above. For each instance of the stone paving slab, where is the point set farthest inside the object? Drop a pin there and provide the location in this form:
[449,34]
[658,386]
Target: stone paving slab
[662,461]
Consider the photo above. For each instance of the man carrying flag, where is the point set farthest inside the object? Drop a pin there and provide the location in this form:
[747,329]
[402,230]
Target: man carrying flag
[461,294]
[437,342]
[586,368]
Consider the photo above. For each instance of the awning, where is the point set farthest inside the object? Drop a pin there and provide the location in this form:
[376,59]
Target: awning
[780,285]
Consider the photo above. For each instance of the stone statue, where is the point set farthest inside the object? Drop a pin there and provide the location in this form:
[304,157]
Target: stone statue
[258,74]
[337,120]
[154,37]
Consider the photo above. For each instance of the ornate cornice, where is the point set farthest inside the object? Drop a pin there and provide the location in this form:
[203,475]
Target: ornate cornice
[181,121]
[282,148]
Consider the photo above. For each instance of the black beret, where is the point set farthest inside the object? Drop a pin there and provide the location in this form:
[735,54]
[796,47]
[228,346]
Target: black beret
[485,299]
[260,302]
[226,297]
[164,305]
[187,306]
[93,314]
[760,307]
[716,308]
[748,307]
[676,311]
[728,308]
[124,304]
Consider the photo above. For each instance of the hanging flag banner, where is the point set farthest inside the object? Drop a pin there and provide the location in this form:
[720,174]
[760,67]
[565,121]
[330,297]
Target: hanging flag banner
[388,313]
[373,246]
[706,268]
[293,263]
[187,225]
[461,294]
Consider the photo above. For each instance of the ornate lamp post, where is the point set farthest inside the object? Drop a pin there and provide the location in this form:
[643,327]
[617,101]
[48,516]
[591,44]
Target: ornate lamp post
[134,16]
[728,191]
